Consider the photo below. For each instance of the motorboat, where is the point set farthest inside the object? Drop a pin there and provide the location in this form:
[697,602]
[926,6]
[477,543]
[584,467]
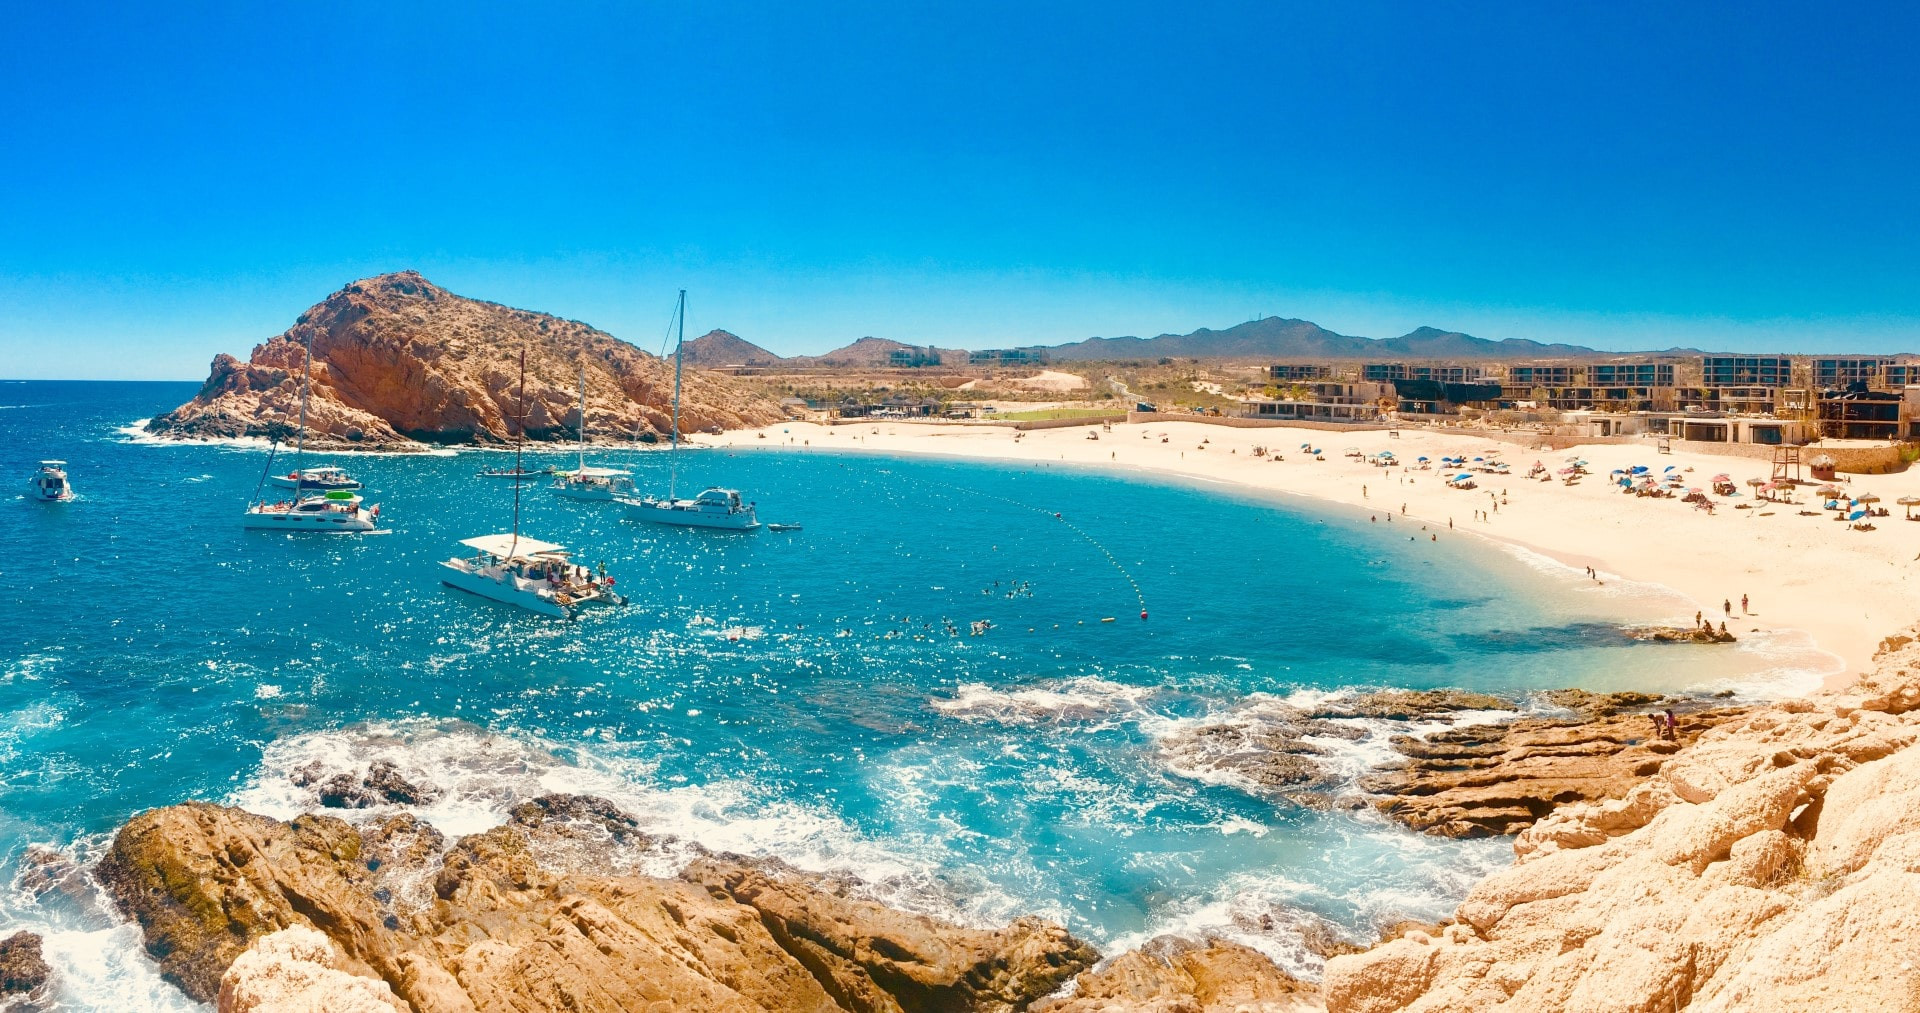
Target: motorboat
[50,484]
[600,484]
[531,574]
[319,478]
[338,512]
[713,508]
[515,474]
[717,508]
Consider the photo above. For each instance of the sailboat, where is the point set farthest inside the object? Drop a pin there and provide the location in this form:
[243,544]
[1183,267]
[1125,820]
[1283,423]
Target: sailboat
[713,507]
[596,484]
[527,572]
[317,507]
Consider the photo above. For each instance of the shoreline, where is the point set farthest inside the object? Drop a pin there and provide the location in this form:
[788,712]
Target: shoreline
[1824,578]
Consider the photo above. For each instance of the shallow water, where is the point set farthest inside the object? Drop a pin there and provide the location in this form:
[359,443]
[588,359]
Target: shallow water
[814,695]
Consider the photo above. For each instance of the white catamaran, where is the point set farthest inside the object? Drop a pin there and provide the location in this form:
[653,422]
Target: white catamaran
[714,507]
[594,484]
[534,575]
[314,505]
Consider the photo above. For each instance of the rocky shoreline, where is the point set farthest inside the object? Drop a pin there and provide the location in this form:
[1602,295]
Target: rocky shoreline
[1761,858]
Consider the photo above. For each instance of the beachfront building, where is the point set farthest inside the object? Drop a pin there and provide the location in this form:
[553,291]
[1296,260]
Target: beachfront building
[1293,373]
[1630,374]
[1746,371]
[1341,401]
[1900,374]
[1388,372]
[1008,357]
[1848,372]
[1862,414]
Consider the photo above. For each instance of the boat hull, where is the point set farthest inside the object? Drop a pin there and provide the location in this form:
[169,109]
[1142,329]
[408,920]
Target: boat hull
[325,523]
[502,589]
[587,493]
[311,485]
[659,513]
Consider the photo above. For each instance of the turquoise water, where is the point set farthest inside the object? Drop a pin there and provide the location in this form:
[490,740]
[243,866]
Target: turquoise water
[792,694]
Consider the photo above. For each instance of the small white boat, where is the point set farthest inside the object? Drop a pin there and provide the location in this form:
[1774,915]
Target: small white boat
[714,508]
[534,575]
[319,478]
[599,484]
[50,484]
[335,513]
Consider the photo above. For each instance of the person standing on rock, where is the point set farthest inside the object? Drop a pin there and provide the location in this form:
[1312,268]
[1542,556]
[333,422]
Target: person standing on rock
[1673,731]
[1743,605]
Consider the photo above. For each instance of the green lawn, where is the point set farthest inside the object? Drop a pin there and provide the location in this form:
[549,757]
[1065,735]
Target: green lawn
[1051,413]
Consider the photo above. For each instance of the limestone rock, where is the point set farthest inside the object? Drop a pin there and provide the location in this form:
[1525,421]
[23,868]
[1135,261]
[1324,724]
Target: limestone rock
[1774,866]
[399,362]
[291,971]
[1493,779]
[1171,975]
[533,915]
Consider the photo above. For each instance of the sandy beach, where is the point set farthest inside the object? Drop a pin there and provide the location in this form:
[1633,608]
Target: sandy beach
[1846,589]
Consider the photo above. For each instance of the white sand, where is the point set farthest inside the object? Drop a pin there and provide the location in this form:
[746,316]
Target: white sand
[1846,589]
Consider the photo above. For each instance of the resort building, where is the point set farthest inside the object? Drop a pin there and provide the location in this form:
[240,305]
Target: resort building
[1326,401]
[1387,372]
[1631,374]
[1008,357]
[913,358]
[1546,376]
[1279,373]
[1746,371]
[1847,372]
[1900,374]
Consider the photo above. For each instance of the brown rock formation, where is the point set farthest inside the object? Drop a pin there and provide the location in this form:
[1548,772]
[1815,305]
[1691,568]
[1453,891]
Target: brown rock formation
[399,361]
[1488,780]
[1171,975]
[533,916]
[22,969]
[1773,865]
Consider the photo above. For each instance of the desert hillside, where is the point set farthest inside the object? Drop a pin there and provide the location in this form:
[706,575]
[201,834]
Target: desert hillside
[399,361]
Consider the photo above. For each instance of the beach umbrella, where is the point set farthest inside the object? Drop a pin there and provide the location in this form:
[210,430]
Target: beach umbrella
[1422,457]
[1757,482]
[1866,497]
[1829,491]
[1909,502]
[1639,469]
[1723,477]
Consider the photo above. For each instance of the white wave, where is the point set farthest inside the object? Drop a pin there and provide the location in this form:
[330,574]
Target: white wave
[1087,699]
[107,969]
[267,691]
[480,776]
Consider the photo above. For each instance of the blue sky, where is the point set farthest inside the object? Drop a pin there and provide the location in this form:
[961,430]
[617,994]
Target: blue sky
[182,180]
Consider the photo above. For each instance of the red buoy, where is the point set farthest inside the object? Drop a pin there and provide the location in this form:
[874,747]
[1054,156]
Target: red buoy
[1143,613]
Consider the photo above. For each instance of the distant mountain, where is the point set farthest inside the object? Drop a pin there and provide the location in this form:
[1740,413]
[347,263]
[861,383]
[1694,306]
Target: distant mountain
[723,348]
[871,351]
[1277,338]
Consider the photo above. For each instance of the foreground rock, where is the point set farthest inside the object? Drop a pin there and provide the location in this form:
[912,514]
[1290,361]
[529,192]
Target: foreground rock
[1487,780]
[533,916]
[1774,865]
[23,971]
[399,362]
[1178,976]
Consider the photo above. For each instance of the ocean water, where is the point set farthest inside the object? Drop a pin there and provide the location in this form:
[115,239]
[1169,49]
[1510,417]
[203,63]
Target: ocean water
[813,695]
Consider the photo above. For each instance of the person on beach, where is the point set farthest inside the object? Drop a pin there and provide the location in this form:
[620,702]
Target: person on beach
[1659,730]
[1697,618]
[1728,605]
[1673,730]
[1743,605]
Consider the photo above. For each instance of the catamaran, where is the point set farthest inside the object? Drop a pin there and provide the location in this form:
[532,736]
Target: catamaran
[49,484]
[595,484]
[319,478]
[714,507]
[527,572]
[318,508]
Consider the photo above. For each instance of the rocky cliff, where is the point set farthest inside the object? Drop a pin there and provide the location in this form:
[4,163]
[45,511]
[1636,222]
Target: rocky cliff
[399,361]
[536,915]
[1773,865]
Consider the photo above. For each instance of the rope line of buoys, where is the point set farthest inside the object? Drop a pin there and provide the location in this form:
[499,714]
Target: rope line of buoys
[1138,594]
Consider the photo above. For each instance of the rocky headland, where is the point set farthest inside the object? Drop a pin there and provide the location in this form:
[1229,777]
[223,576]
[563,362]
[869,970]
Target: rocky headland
[400,363]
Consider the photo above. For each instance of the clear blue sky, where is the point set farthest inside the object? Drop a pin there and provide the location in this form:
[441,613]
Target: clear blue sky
[178,180]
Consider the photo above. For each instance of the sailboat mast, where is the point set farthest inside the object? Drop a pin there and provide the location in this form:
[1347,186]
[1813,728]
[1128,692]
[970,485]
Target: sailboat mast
[518,445]
[306,384]
[583,412]
[679,353]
